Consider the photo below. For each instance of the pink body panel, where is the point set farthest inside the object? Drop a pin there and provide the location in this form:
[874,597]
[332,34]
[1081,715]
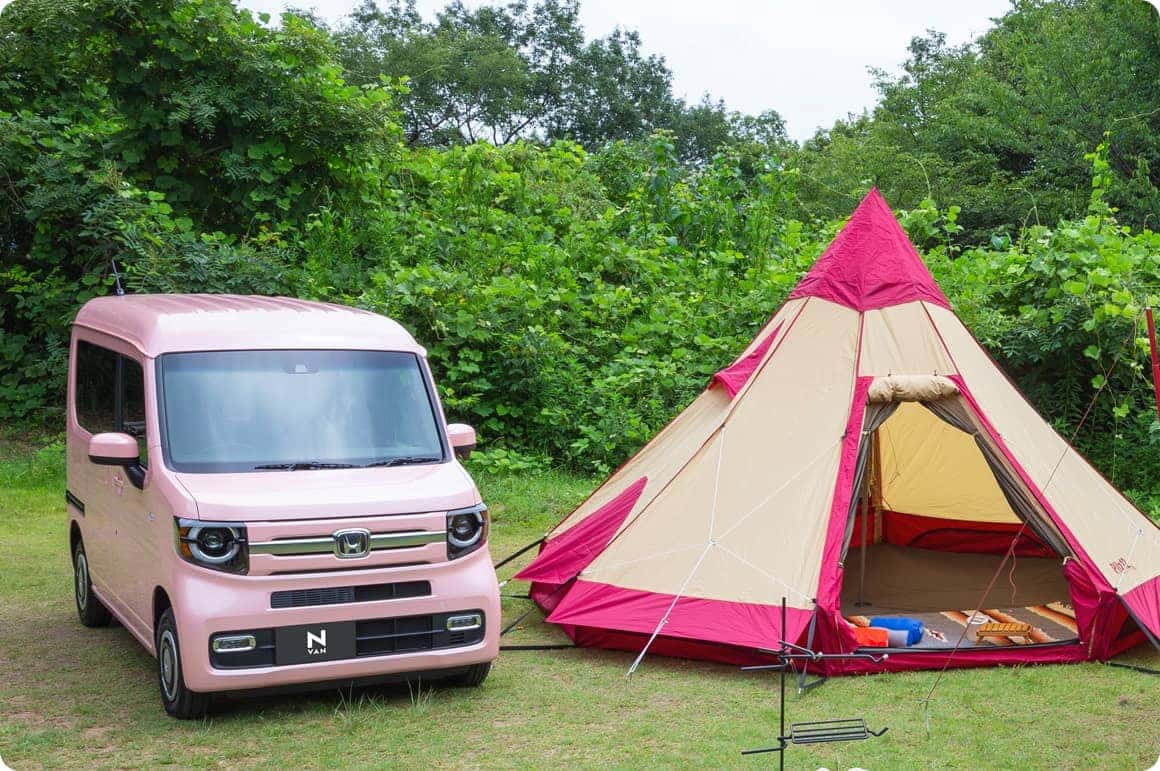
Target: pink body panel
[279,496]
[156,324]
[129,533]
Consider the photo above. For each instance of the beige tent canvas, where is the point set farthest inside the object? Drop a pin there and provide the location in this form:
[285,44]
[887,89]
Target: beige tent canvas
[866,460]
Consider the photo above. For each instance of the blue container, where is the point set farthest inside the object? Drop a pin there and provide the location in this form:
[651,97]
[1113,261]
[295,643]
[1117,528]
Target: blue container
[912,626]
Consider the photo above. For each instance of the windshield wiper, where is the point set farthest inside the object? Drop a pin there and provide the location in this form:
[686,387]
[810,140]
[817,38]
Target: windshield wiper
[305,465]
[405,460]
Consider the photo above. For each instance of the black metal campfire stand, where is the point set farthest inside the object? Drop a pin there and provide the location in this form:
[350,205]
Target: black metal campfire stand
[818,731]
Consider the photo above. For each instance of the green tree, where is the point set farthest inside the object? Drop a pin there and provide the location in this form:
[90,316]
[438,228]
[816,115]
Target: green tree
[1001,125]
[466,77]
[179,130]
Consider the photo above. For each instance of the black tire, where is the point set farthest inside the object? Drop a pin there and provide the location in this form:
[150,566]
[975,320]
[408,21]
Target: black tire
[473,677]
[91,611]
[179,701]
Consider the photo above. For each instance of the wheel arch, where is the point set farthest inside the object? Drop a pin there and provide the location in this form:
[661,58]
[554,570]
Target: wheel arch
[161,603]
[74,537]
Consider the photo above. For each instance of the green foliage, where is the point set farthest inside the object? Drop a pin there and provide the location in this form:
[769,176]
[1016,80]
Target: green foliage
[182,138]
[500,461]
[1062,308]
[1000,125]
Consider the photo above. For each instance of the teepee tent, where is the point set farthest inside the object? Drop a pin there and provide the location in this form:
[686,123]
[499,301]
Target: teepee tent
[862,458]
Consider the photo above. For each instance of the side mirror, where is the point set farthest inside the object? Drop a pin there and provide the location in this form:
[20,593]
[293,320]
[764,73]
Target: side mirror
[116,449]
[113,449]
[462,438]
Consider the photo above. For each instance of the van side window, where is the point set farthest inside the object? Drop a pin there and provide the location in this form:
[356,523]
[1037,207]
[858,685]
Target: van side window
[96,388]
[110,393]
[133,404]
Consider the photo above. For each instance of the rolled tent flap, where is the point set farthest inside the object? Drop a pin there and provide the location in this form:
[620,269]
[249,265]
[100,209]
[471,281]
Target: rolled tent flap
[910,388]
[563,557]
[734,377]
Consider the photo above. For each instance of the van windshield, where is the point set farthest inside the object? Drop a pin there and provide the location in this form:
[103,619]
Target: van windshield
[228,411]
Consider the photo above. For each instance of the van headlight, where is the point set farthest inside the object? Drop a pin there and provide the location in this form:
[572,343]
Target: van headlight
[466,530]
[214,545]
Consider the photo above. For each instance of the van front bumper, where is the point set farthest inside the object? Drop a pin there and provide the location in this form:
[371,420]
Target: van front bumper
[380,622]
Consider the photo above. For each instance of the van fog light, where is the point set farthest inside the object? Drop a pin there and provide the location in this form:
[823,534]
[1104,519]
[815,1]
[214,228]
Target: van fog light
[234,643]
[464,623]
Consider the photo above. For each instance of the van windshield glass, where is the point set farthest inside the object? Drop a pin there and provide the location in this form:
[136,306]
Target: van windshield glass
[296,410]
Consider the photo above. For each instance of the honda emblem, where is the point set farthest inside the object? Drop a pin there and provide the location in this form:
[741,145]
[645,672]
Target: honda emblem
[352,544]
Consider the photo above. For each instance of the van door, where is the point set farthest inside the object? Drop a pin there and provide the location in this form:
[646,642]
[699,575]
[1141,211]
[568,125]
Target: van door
[95,409]
[110,396]
[134,538]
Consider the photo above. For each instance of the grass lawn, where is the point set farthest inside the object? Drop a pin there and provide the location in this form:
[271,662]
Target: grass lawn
[71,696]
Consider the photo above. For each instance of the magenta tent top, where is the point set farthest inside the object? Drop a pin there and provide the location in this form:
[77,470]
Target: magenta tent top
[871,264]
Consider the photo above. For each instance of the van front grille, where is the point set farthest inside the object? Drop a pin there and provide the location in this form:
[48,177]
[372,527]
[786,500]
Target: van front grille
[342,595]
[411,634]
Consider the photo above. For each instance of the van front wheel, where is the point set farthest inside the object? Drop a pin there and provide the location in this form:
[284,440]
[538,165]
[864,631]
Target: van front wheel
[474,676]
[91,611]
[179,701]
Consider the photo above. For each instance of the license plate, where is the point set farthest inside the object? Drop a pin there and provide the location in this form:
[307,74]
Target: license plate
[314,642]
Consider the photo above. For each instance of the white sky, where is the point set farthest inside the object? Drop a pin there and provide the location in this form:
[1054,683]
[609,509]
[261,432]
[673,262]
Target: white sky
[807,60]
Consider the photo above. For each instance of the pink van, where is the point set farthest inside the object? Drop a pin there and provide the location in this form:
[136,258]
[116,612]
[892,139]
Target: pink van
[264,491]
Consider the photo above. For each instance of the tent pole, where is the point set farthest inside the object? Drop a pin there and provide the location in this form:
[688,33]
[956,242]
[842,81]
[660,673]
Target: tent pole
[1155,358]
[863,507]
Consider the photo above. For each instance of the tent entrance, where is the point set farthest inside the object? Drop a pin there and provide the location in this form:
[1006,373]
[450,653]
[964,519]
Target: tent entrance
[935,512]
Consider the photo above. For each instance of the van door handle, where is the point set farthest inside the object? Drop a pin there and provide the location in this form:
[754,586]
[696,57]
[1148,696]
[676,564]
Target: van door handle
[119,483]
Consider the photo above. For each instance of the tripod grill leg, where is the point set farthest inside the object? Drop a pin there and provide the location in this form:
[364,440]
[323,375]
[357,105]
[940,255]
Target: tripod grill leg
[810,645]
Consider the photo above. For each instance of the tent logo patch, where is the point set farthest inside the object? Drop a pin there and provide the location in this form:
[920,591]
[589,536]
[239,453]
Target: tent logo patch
[1121,566]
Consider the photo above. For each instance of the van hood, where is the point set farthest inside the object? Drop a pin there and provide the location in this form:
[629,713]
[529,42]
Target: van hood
[325,493]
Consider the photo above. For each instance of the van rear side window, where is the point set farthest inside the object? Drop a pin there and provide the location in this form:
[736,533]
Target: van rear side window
[110,393]
[96,388]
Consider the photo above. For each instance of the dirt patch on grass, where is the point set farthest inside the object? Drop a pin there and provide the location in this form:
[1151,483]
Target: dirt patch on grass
[95,733]
[38,721]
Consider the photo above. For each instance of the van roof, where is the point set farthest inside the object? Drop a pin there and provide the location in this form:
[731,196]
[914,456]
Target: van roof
[164,323]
